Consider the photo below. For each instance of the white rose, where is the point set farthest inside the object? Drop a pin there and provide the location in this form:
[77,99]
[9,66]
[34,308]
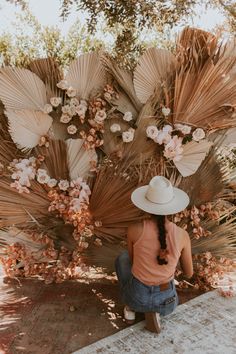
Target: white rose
[84,103]
[42,176]
[198,134]
[65,109]
[72,111]
[81,110]
[185,129]
[55,101]
[128,116]
[152,131]
[165,111]
[47,108]
[71,92]
[65,118]
[115,128]
[167,128]
[127,136]
[74,101]
[162,138]
[63,84]
[52,182]
[72,129]
[100,116]
[63,184]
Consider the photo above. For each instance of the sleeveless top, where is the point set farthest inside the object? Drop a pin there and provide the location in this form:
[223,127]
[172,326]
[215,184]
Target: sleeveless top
[146,249]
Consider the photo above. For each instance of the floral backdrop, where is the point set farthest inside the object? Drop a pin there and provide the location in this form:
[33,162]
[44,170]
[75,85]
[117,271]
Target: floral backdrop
[75,144]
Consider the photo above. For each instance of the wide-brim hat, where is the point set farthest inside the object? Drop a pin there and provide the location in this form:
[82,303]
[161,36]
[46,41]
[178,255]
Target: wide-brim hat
[159,197]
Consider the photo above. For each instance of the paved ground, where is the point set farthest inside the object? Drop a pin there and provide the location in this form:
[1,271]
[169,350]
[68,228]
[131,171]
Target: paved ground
[60,318]
[204,325]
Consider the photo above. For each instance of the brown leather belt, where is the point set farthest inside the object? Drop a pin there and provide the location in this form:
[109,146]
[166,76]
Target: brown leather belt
[164,286]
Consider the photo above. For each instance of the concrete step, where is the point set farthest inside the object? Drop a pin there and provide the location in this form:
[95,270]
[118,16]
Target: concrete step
[204,325]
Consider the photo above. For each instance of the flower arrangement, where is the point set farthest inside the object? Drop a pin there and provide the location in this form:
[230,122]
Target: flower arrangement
[76,145]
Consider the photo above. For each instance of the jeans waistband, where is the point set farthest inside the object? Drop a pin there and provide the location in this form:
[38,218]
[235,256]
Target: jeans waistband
[161,287]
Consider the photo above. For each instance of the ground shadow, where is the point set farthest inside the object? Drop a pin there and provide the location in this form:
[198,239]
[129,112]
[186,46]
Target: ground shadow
[60,318]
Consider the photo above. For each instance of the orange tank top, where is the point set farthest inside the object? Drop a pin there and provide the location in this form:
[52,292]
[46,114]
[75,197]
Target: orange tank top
[146,249]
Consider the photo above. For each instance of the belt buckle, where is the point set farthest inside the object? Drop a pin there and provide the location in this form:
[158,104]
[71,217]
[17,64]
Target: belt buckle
[164,287]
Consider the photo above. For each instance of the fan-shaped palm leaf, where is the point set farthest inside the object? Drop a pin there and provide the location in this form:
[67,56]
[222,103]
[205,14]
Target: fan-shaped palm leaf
[49,72]
[27,127]
[125,80]
[86,74]
[79,159]
[207,182]
[21,89]
[153,70]
[193,155]
[55,159]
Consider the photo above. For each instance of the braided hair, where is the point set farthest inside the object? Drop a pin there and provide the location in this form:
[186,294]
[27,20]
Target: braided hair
[160,221]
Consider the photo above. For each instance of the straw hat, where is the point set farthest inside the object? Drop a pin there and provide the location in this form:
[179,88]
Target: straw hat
[160,197]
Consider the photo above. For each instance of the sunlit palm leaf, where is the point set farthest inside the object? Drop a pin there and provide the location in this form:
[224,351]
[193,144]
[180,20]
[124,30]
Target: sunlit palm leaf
[86,75]
[21,89]
[79,159]
[27,127]
[152,71]
[49,72]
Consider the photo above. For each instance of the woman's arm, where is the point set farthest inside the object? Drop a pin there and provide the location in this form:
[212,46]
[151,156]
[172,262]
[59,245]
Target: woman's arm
[186,261]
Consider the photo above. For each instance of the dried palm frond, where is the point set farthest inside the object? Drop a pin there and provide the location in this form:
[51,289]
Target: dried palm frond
[153,71]
[79,159]
[196,44]
[55,160]
[123,104]
[193,155]
[103,256]
[205,93]
[124,80]
[113,142]
[22,208]
[49,72]
[86,75]
[222,242]
[21,89]
[207,182]
[27,127]
[111,192]
[12,235]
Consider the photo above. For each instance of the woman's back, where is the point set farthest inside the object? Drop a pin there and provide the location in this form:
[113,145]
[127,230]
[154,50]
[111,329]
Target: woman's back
[146,247]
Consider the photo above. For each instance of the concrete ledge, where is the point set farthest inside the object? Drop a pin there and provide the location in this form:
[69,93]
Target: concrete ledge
[204,325]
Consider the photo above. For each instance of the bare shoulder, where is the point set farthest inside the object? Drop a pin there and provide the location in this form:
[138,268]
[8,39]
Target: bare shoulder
[183,235]
[135,230]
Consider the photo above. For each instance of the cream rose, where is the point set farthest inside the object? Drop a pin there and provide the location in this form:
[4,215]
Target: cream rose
[42,176]
[65,118]
[127,136]
[198,134]
[71,92]
[55,101]
[47,108]
[185,129]
[115,128]
[128,116]
[100,116]
[63,84]
[63,184]
[52,182]
[165,111]
[152,131]
[72,129]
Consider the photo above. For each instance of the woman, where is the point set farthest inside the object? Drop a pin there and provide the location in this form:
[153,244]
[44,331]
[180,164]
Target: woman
[146,271]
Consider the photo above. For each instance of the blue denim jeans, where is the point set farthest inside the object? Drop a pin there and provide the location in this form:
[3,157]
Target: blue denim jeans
[140,297]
